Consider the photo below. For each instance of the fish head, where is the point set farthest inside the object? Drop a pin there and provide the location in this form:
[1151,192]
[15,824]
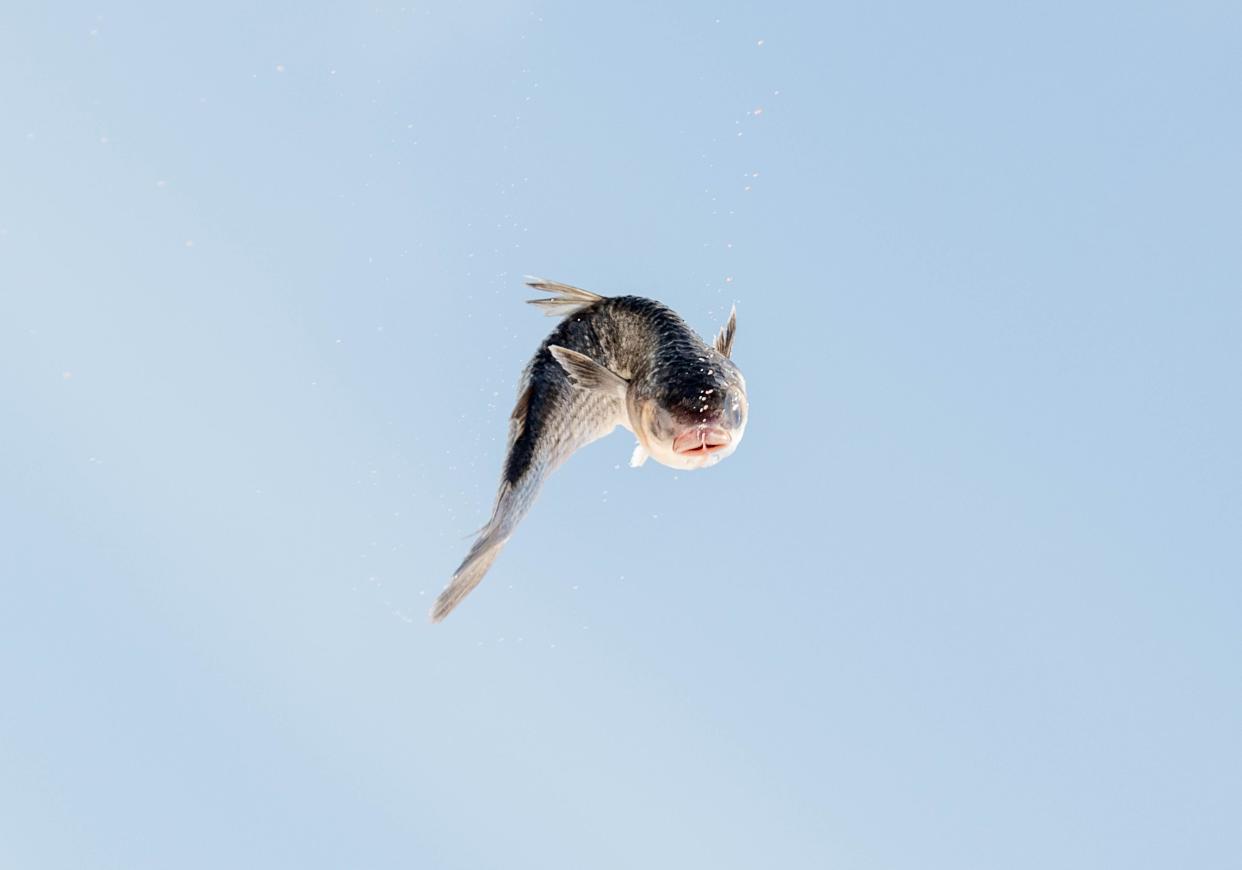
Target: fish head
[691,418]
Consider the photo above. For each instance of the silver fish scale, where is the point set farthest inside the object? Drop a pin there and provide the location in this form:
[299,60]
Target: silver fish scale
[638,339]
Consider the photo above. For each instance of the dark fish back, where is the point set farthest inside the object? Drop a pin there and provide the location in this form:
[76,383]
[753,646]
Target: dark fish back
[548,387]
[676,364]
[631,335]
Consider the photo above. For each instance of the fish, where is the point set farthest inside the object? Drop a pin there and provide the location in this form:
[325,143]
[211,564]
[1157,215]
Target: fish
[612,361]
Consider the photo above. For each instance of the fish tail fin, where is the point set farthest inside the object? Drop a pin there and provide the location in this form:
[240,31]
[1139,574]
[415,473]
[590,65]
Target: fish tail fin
[512,503]
[469,573]
[565,300]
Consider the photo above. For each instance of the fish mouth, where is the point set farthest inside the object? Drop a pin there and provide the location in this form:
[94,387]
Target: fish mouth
[701,441]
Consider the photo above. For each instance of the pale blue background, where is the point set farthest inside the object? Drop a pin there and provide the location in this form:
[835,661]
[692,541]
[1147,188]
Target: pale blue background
[967,597]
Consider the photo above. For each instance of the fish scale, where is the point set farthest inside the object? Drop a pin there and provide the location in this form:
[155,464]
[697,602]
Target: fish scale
[611,361]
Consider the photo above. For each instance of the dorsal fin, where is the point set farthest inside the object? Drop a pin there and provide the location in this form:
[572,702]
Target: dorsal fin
[566,299]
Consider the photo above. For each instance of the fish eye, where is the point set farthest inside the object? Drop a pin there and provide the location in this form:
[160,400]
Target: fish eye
[662,422]
[735,409]
[658,421]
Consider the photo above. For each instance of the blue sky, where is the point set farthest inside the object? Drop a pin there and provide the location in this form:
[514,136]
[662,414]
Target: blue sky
[967,596]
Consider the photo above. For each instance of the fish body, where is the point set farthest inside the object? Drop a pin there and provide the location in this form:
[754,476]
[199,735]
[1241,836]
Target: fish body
[611,361]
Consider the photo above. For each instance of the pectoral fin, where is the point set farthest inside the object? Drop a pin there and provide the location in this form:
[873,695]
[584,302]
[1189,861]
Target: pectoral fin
[587,374]
[724,341]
